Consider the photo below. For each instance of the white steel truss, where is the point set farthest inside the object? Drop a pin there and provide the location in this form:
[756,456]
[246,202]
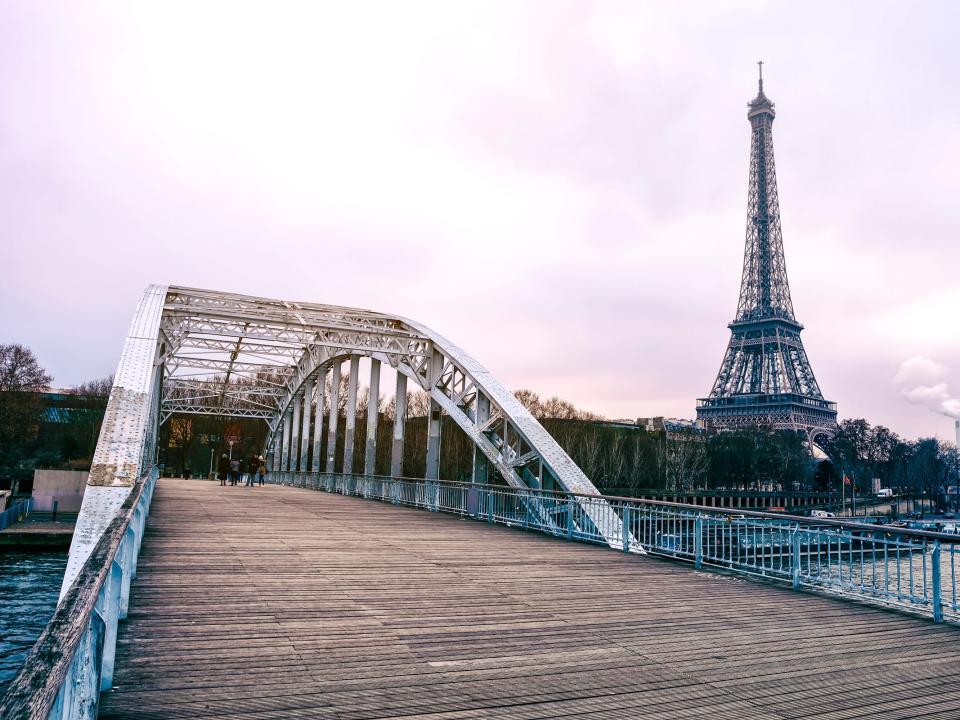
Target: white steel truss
[242,356]
[216,353]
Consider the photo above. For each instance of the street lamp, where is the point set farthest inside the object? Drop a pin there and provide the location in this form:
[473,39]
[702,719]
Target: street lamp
[230,443]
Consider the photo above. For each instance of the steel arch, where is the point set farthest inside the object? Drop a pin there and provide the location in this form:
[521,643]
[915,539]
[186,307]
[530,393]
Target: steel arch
[219,353]
[211,333]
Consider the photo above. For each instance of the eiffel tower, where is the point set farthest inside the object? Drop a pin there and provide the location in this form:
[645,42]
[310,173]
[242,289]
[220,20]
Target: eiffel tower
[765,379]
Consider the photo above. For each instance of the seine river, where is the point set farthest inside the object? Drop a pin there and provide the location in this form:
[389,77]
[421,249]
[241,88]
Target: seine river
[29,586]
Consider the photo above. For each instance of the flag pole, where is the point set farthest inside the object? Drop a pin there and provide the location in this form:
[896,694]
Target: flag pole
[853,497]
[843,491]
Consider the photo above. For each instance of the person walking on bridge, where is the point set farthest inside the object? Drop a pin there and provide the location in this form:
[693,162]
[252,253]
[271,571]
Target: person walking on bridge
[234,471]
[261,469]
[253,466]
[223,469]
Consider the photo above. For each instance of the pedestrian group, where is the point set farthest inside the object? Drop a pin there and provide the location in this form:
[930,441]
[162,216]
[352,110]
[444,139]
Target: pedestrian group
[235,471]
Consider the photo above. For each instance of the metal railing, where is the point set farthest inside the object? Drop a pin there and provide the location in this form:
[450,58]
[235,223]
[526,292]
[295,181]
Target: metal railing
[18,512]
[73,660]
[911,570]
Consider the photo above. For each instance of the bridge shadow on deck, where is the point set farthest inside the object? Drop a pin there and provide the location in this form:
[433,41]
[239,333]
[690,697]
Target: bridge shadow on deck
[277,602]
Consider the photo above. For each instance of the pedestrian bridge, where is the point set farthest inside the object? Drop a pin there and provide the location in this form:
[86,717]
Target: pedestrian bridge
[521,594]
[281,602]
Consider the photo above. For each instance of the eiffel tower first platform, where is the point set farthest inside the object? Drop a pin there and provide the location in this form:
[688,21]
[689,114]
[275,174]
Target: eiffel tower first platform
[766,379]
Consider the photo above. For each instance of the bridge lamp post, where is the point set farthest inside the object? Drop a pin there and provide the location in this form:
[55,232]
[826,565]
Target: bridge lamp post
[212,442]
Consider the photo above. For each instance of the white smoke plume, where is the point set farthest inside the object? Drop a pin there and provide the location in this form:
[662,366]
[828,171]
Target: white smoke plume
[922,381]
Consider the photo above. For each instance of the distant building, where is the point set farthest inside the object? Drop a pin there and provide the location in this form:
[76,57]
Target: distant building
[670,425]
[61,406]
[654,424]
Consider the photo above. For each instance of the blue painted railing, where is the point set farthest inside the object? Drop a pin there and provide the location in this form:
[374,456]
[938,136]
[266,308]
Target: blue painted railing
[73,660]
[911,570]
[19,511]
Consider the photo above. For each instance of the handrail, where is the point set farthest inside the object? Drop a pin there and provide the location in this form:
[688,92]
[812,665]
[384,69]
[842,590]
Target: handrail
[15,513]
[72,660]
[732,512]
[911,570]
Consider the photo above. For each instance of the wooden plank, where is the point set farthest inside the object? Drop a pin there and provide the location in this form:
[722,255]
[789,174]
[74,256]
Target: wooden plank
[268,603]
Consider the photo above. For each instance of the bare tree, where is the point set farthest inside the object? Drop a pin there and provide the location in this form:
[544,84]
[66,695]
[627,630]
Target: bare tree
[390,409]
[614,459]
[99,388]
[21,377]
[686,461]
[554,407]
[20,371]
[182,438]
[587,450]
[530,400]
[418,404]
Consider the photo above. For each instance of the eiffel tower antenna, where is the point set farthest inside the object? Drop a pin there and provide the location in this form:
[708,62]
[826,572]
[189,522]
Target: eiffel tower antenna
[765,378]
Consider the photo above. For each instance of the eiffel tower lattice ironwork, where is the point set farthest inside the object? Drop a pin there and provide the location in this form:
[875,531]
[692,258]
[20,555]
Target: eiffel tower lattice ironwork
[765,379]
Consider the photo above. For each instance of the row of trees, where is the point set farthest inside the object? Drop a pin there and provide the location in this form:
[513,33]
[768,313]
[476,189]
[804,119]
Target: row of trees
[629,459]
[862,451]
[619,458]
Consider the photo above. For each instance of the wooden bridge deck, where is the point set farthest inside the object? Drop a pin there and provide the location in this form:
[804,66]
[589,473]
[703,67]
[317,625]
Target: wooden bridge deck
[274,602]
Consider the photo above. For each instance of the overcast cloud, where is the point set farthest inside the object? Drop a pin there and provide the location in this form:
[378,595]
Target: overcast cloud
[560,188]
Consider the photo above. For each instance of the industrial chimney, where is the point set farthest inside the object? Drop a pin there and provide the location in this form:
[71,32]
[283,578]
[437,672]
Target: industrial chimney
[956,426]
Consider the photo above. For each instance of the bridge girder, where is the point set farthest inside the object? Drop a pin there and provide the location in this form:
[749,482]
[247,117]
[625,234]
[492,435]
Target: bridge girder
[203,352]
[274,349]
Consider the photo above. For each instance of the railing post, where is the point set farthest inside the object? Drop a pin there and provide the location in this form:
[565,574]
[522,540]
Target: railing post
[111,606]
[98,638]
[570,502]
[795,558]
[135,546]
[490,500]
[698,542]
[625,528]
[56,712]
[98,628]
[72,689]
[127,560]
[85,671]
[135,524]
[935,578]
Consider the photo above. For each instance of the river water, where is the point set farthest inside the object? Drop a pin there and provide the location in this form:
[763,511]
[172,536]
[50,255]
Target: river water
[29,586]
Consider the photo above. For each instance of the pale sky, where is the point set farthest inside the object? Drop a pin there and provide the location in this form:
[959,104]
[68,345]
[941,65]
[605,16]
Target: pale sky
[560,188]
